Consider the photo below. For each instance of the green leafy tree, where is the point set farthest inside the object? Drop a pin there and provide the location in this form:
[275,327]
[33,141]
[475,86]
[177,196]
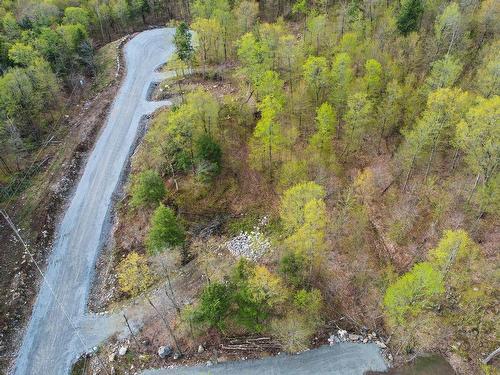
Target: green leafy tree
[270,84]
[267,142]
[455,257]
[147,188]
[391,110]
[165,231]
[208,33]
[478,136]
[321,143]
[435,130]
[444,73]
[293,202]
[22,54]
[413,292]
[75,15]
[10,27]
[342,76]
[409,16]
[209,154]
[315,70]
[246,15]
[373,79]
[255,58]
[488,74]
[450,27]
[309,239]
[358,120]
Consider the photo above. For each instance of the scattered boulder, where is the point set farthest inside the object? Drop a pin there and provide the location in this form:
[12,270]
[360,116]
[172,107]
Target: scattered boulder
[201,349]
[165,351]
[332,340]
[177,355]
[342,334]
[353,337]
[123,350]
[381,345]
[209,363]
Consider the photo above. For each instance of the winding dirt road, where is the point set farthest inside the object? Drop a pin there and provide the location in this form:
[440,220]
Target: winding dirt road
[51,343]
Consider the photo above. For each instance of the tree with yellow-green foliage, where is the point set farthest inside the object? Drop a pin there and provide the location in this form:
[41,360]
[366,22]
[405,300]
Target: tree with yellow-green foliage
[317,77]
[208,33]
[373,79]
[415,291]
[342,77]
[309,239]
[294,201]
[303,213]
[478,136]
[134,276]
[358,121]
[436,128]
[266,287]
[488,73]
[321,143]
[267,142]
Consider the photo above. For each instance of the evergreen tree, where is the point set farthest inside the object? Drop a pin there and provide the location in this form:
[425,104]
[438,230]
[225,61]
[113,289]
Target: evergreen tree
[165,230]
[409,16]
[182,41]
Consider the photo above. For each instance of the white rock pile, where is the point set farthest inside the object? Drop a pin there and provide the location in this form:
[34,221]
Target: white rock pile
[251,245]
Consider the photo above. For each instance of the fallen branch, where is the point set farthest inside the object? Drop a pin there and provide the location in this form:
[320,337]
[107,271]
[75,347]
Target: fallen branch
[492,355]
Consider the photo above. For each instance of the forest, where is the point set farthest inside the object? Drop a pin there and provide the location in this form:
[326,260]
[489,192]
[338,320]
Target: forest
[324,162]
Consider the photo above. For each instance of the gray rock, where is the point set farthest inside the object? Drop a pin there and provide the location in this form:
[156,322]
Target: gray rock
[353,337]
[165,351]
[342,334]
[381,345]
[123,350]
[177,355]
[201,349]
[209,363]
[332,340]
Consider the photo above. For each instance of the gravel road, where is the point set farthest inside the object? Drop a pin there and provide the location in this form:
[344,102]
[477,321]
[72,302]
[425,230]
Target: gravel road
[50,343]
[340,359]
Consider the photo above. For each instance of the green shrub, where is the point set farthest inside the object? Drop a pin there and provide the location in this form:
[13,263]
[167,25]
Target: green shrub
[309,303]
[209,150]
[293,268]
[147,188]
[165,230]
[208,158]
[294,332]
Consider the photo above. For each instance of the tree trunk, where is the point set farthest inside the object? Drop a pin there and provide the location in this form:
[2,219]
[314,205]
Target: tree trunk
[170,331]
[409,171]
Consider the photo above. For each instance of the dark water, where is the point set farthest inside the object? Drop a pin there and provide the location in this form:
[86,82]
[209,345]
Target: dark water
[429,365]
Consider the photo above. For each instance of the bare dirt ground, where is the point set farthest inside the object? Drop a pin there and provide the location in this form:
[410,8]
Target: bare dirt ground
[38,209]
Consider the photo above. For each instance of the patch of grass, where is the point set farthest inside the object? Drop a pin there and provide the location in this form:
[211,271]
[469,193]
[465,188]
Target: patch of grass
[80,367]
[242,224]
[105,61]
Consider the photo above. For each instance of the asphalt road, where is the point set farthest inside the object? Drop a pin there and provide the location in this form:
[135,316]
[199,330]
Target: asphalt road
[50,344]
[340,359]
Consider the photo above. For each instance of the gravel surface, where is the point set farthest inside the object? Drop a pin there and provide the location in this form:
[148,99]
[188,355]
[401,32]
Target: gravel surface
[51,344]
[340,359]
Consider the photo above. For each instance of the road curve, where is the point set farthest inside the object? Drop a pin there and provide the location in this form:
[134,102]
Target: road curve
[340,359]
[50,344]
